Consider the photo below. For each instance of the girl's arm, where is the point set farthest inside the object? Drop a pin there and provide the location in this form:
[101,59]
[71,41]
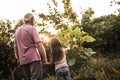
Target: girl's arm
[65,50]
[51,61]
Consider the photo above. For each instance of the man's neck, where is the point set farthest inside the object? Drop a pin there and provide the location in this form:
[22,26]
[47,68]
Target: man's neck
[29,24]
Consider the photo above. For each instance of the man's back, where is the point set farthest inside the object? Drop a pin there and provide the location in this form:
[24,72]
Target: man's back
[26,36]
[26,43]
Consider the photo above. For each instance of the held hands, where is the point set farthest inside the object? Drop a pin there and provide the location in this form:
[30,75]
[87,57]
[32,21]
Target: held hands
[46,63]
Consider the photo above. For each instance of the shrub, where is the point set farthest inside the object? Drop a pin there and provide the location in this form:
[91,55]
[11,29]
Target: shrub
[97,69]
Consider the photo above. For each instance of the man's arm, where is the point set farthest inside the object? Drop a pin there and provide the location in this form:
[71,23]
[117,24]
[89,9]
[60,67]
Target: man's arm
[50,62]
[15,52]
[42,51]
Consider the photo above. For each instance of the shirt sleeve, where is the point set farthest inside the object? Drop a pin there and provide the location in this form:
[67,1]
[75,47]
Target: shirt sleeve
[36,36]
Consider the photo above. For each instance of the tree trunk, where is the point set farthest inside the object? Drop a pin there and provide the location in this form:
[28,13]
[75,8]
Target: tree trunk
[12,73]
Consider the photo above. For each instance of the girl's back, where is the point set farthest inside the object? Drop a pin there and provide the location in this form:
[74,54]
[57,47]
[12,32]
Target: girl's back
[58,57]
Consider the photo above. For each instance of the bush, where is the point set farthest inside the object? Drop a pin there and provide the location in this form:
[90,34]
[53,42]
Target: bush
[97,69]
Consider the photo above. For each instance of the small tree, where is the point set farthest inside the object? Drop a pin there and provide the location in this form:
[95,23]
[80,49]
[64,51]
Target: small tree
[7,59]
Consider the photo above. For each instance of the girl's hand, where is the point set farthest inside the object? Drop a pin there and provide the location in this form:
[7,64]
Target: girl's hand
[46,63]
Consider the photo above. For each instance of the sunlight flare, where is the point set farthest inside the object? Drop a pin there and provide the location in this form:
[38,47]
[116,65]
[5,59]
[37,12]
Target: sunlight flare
[52,30]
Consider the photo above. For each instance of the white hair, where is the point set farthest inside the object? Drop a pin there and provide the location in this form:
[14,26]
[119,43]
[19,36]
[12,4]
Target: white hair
[28,17]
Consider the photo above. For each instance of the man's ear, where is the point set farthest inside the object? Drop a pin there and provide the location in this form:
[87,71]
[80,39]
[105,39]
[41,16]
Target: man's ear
[32,21]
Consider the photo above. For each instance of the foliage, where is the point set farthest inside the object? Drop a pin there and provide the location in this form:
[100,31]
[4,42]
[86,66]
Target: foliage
[58,20]
[7,60]
[104,29]
[100,69]
[73,39]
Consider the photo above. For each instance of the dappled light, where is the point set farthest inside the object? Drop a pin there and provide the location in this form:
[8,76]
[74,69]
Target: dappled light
[51,29]
[45,38]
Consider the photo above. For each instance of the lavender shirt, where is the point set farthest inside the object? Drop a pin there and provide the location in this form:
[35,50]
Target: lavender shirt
[25,38]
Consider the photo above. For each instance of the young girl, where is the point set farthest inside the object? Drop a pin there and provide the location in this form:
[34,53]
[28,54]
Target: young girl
[58,57]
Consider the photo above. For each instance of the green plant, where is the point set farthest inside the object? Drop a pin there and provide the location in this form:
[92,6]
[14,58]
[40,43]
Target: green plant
[73,40]
[97,69]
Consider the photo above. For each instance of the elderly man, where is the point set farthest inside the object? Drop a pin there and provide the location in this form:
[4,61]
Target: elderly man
[26,45]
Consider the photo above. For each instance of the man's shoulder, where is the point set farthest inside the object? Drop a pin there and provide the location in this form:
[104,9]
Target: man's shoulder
[32,27]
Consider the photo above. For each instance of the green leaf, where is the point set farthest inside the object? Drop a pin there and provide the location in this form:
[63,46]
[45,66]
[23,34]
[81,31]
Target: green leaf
[89,52]
[89,38]
[71,61]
